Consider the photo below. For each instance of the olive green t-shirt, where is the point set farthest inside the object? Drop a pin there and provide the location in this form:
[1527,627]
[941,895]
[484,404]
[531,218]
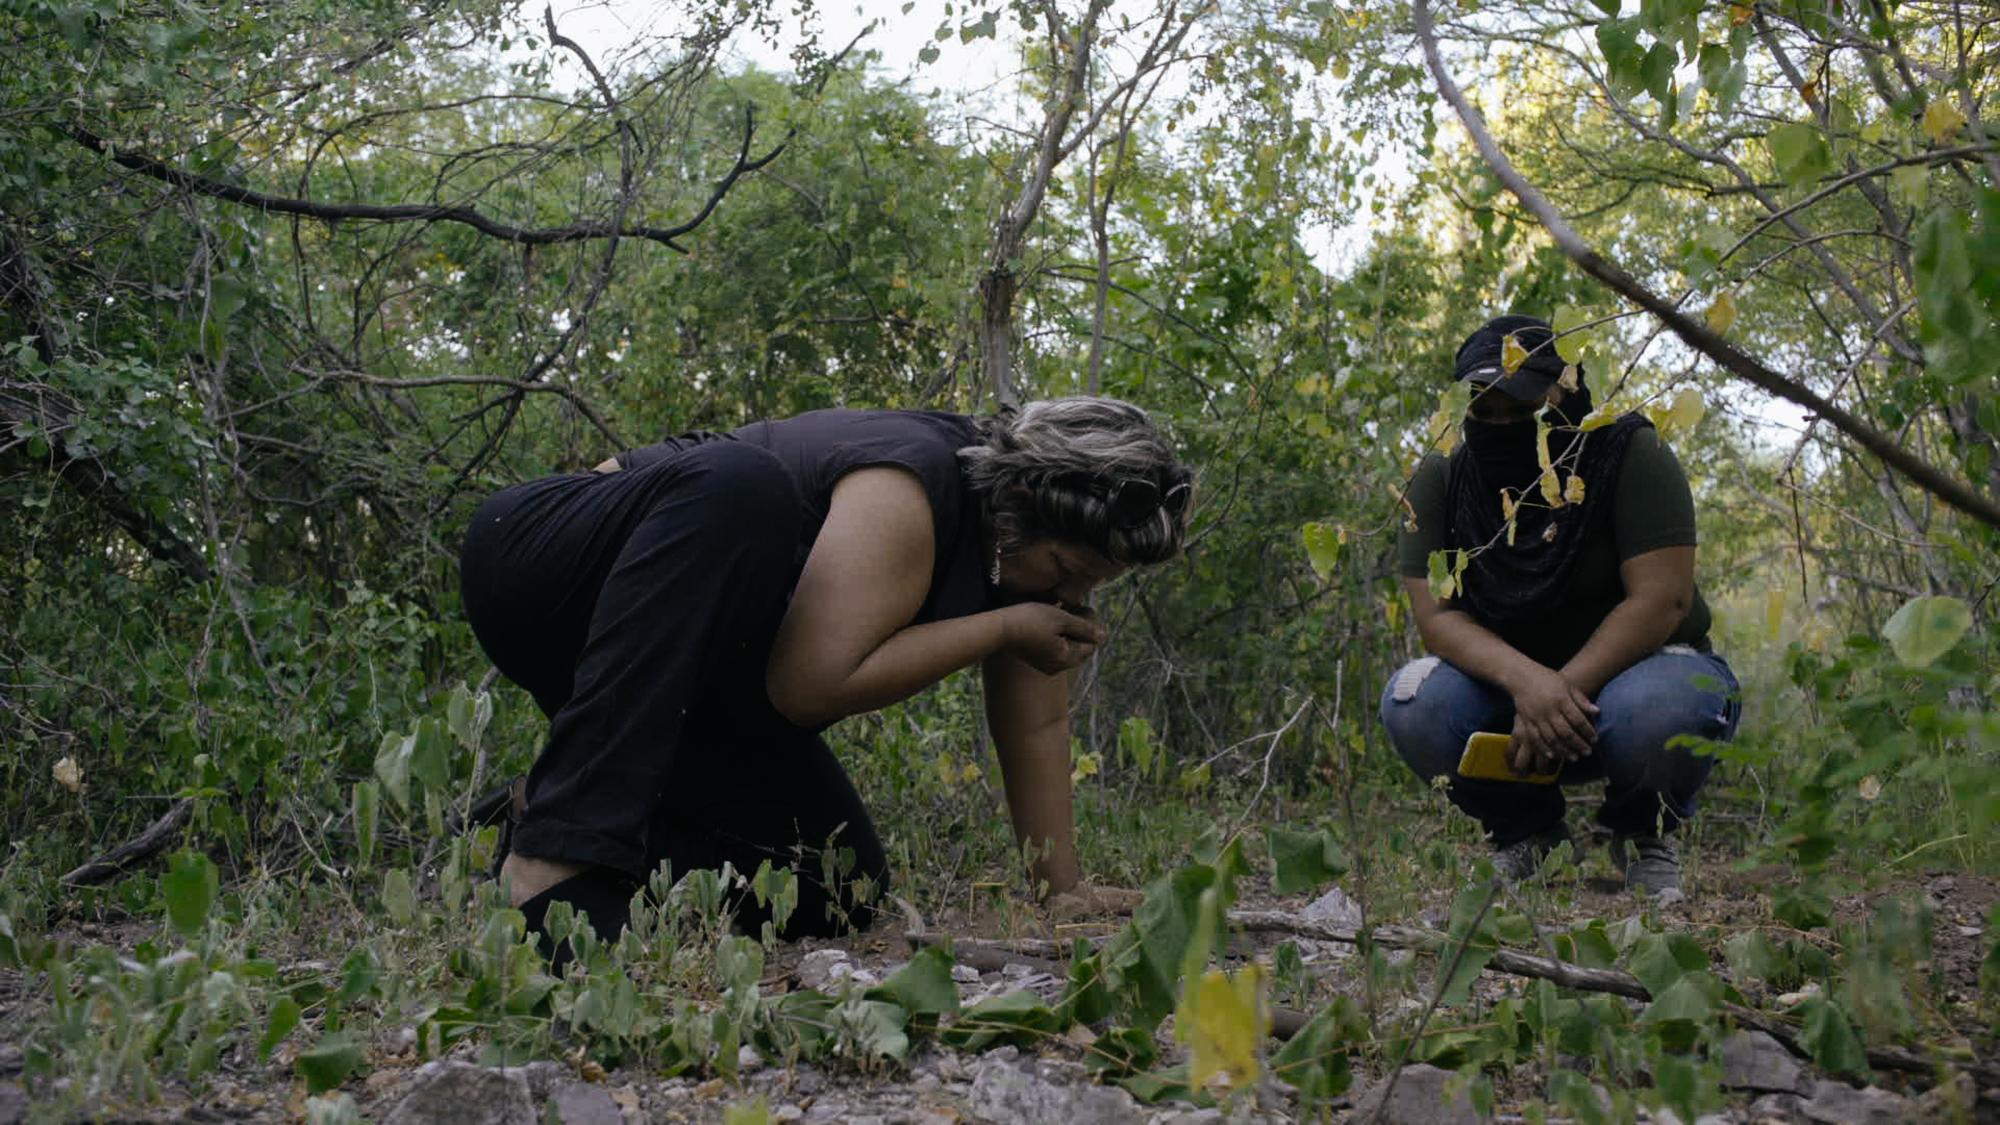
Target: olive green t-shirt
[1651,509]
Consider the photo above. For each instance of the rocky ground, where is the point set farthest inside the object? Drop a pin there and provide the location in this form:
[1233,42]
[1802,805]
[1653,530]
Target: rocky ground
[1049,1086]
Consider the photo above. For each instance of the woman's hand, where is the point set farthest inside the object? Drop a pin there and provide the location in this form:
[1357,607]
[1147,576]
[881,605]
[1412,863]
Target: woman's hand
[1048,639]
[1552,722]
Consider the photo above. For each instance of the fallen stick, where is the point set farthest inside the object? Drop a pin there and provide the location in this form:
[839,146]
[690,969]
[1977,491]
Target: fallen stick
[156,837]
[1398,937]
[1047,956]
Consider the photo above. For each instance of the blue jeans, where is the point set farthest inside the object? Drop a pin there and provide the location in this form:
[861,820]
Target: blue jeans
[1430,708]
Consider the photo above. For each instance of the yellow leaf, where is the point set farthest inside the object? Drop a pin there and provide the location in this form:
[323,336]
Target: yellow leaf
[1573,490]
[1512,354]
[1597,419]
[1740,14]
[1511,526]
[1774,613]
[1871,787]
[1087,765]
[1683,413]
[1722,314]
[1571,379]
[1222,1020]
[1551,490]
[1942,121]
[68,774]
[1507,504]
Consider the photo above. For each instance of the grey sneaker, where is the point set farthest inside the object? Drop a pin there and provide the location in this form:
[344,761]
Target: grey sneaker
[1522,858]
[1652,867]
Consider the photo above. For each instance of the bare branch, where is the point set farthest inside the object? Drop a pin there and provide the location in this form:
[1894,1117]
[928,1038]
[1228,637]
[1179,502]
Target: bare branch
[1694,333]
[431,212]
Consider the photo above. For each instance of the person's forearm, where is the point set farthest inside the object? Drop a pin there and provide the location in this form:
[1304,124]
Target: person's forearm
[1035,769]
[1630,632]
[1029,720]
[1477,651]
[907,662]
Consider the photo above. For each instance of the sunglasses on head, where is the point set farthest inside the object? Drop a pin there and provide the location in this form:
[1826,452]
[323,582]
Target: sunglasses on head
[1134,501]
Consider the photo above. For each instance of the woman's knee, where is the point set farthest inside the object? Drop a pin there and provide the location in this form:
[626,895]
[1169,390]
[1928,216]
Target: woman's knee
[1421,717]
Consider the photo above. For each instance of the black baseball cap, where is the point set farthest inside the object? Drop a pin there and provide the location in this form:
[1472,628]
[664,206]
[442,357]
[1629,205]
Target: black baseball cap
[1479,358]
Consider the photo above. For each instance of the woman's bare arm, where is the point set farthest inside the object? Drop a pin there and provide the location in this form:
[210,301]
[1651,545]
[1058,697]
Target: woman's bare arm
[1028,712]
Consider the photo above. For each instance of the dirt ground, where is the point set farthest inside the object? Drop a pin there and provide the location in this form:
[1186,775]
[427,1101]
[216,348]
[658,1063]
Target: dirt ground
[943,1086]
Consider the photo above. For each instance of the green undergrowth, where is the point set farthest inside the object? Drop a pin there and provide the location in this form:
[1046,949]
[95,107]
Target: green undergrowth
[301,955]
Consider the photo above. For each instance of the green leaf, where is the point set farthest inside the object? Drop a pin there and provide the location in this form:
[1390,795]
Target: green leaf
[1588,946]
[367,806]
[749,1113]
[1120,1051]
[1802,908]
[283,1018]
[1657,71]
[1572,339]
[189,888]
[1304,860]
[1927,628]
[924,986]
[1019,1018]
[328,1063]
[1910,185]
[1322,548]
[1472,927]
[1315,1061]
[392,766]
[1661,960]
[1831,1039]
[1686,999]
[1799,152]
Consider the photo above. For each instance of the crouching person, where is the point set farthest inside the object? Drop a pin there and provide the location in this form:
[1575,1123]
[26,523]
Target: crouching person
[1576,627]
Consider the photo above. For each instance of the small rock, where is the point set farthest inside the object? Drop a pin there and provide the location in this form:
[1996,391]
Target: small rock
[1334,908]
[11,1060]
[965,974]
[1949,1101]
[748,1061]
[13,1103]
[579,1103]
[1421,1097]
[1835,1103]
[788,1112]
[1003,1091]
[821,968]
[1784,1108]
[1753,1060]
[456,1093]
[541,1075]
[1015,969]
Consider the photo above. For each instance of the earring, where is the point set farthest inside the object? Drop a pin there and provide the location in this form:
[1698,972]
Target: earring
[993,575]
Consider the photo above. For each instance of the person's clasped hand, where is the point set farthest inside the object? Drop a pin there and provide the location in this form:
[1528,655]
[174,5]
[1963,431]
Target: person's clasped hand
[1553,724]
[1049,639]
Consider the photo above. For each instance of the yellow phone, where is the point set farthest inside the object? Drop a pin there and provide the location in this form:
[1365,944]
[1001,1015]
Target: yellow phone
[1489,757]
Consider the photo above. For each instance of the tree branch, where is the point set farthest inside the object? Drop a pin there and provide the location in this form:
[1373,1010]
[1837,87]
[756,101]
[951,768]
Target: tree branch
[433,212]
[1694,333]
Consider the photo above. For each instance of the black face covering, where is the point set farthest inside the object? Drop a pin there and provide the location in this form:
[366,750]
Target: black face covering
[1504,451]
[1511,583]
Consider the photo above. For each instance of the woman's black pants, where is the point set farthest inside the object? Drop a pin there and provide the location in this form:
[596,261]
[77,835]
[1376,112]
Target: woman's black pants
[639,608]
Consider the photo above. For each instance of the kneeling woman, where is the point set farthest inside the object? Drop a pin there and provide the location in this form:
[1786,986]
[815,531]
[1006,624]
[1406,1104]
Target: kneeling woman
[691,614]
[1579,630]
